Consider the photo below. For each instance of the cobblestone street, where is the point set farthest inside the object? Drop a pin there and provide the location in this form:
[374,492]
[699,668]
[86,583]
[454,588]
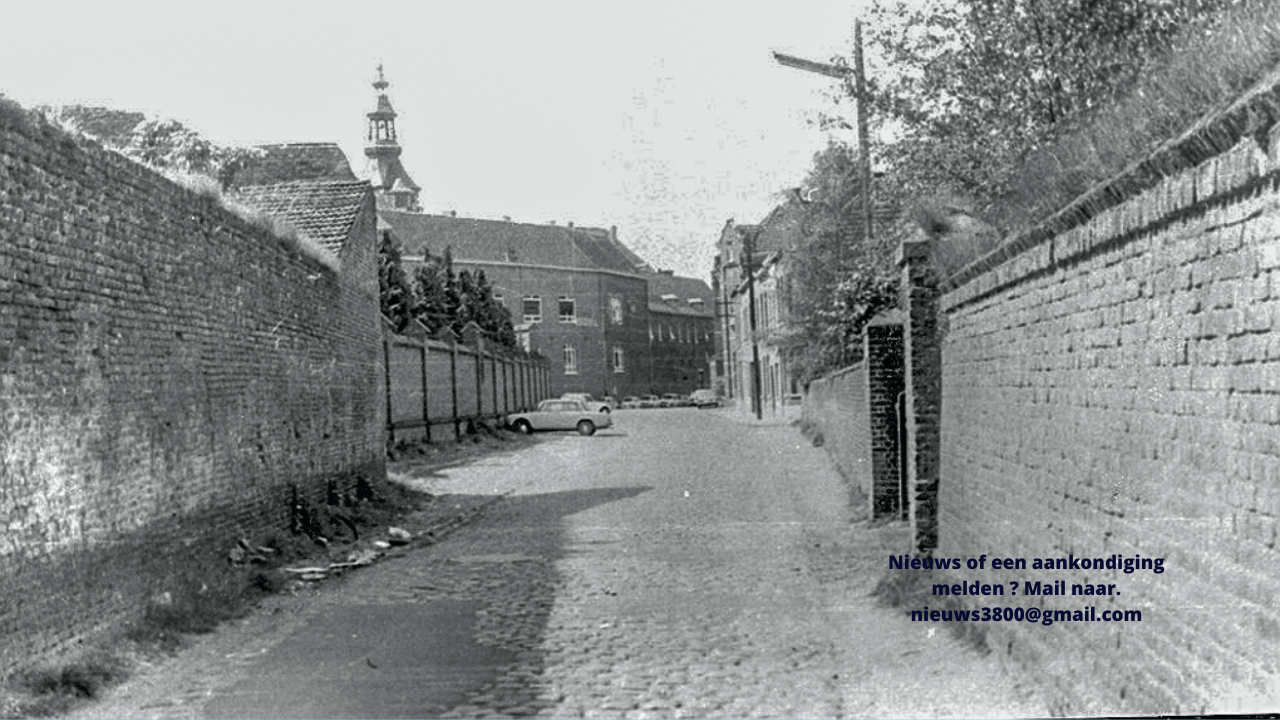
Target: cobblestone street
[683,564]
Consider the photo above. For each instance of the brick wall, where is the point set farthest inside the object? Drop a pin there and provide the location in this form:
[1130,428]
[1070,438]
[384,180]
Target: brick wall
[426,376]
[167,373]
[1111,385]
[836,406]
[882,343]
[856,410]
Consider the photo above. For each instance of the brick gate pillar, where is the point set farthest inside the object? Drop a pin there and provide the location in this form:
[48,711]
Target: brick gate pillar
[922,350]
[882,353]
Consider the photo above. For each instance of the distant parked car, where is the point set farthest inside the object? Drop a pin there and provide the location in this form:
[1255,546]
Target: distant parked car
[586,399]
[673,400]
[704,398]
[630,401]
[650,401]
[561,414]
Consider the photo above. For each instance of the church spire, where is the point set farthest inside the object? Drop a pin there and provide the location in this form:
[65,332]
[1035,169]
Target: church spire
[382,121]
[394,188]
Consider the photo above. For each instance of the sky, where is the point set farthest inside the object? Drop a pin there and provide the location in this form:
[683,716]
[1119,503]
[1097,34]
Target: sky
[663,118]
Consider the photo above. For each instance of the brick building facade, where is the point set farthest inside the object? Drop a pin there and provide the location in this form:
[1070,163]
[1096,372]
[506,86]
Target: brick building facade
[681,333]
[576,295]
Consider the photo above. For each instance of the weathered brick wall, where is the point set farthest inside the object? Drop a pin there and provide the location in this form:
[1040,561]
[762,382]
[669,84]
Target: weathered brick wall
[424,379]
[167,372]
[1113,387]
[882,342]
[836,406]
[856,410]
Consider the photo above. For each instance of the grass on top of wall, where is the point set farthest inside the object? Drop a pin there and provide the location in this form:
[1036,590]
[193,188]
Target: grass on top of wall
[1203,73]
[14,116]
[289,236]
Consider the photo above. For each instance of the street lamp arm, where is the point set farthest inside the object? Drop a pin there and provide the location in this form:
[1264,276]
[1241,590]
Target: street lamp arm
[828,69]
[859,81]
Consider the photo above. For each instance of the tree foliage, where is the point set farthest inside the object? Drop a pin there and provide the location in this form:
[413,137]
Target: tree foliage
[162,143]
[396,292]
[974,88]
[1002,110]
[438,297]
[837,278]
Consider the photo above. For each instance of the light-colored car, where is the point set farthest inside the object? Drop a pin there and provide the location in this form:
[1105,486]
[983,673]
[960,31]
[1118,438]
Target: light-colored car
[630,402]
[586,399]
[561,414]
[673,400]
[650,401]
[704,397]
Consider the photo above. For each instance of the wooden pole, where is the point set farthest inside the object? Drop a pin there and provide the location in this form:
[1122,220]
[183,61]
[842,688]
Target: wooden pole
[864,143]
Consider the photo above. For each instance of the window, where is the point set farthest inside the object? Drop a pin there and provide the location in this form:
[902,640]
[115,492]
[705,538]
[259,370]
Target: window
[568,310]
[570,360]
[618,365]
[532,308]
[615,309]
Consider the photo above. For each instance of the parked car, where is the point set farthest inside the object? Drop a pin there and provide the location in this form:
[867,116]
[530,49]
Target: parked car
[586,399]
[673,400]
[650,401]
[561,414]
[704,397]
[630,401]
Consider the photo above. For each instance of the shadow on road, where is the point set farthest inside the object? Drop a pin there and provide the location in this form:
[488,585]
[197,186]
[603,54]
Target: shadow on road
[456,628]
[506,563]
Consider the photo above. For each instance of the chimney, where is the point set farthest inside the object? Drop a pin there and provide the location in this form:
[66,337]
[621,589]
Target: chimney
[569,224]
[613,233]
[453,213]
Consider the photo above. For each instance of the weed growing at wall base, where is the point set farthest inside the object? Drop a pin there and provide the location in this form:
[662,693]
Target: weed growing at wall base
[910,590]
[206,594]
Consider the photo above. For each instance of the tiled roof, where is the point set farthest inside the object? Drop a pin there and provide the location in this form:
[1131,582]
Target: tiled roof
[297,161]
[323,211]
[663,286]
[504,241]
[389,173]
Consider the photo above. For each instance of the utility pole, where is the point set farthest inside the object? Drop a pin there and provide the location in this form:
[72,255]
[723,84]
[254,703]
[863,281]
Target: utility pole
[748,265]
[864,145]
[842,72]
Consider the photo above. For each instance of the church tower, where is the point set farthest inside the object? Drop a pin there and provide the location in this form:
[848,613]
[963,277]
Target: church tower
[394,189]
